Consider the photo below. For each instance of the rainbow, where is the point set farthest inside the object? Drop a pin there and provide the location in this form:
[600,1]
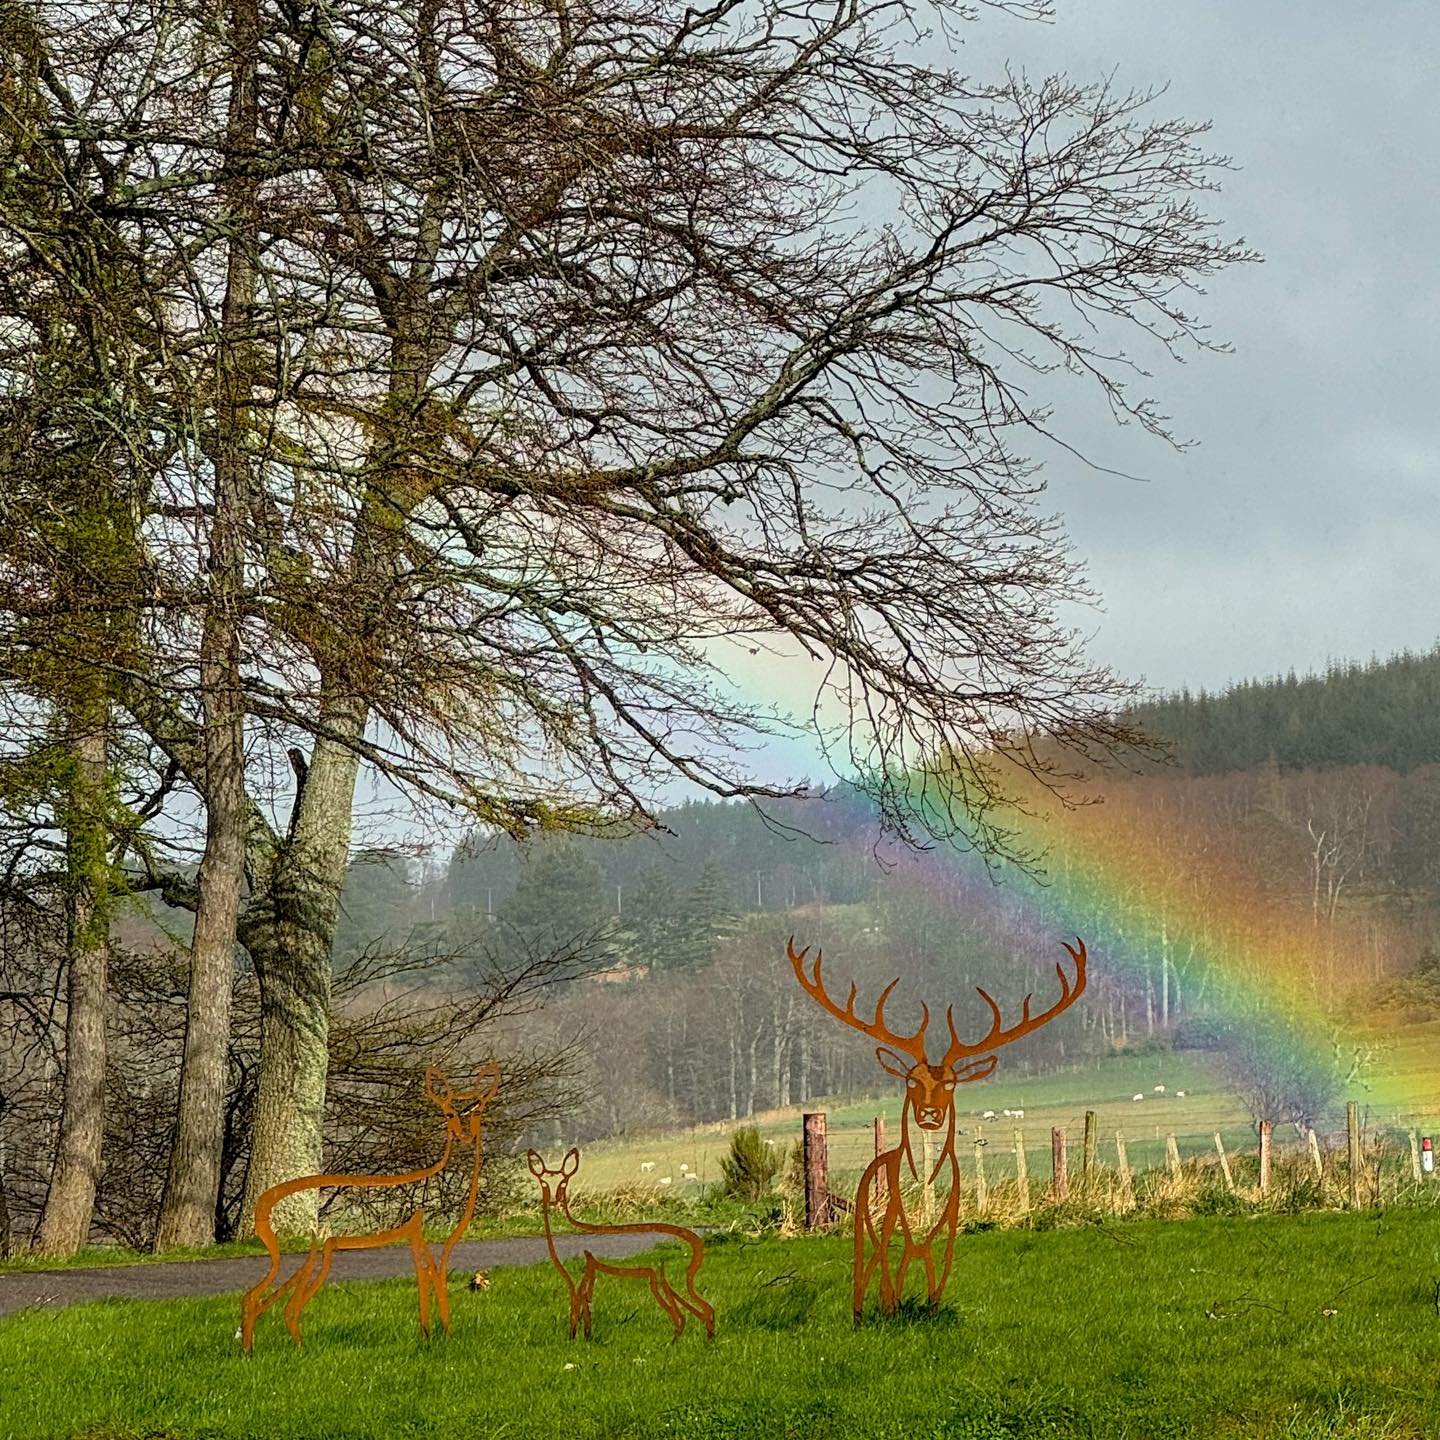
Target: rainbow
[1137,887]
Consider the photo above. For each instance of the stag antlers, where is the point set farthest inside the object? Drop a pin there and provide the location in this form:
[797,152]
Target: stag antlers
[812,982]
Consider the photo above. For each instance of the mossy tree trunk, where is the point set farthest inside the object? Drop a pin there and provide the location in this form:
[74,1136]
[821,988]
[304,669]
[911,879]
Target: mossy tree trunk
[70,1202]
[289,936]
[187,1215]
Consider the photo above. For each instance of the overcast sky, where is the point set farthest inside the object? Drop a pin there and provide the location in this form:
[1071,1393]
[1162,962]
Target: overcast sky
[1305,523]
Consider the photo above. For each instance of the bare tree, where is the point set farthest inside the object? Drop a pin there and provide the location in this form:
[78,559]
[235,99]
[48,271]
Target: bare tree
[585,365]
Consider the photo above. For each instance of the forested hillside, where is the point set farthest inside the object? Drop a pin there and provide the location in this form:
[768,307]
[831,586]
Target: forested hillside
[1334,861]
[1383,713]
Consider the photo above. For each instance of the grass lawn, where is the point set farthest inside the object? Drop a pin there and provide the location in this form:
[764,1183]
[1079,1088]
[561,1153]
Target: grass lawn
[1407,1069]
[1146,1329]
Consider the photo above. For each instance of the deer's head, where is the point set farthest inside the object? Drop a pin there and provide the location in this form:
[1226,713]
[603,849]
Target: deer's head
[464,1110]
[554,1184]
[930,1086]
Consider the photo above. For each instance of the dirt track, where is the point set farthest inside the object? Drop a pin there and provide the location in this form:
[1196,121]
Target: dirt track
[171,1280]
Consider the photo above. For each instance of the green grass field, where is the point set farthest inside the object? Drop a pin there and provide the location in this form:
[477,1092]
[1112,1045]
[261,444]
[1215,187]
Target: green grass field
[1213,1327]
[1407,1068]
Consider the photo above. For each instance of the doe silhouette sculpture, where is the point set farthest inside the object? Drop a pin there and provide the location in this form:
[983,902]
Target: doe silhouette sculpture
[461,1128]
[929,1105]
[555,1195]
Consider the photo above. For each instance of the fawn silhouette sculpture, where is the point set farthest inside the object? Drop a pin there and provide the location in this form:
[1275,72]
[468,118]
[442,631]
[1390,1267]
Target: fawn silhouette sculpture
[929,1105]
[430,1274]
[676,1306]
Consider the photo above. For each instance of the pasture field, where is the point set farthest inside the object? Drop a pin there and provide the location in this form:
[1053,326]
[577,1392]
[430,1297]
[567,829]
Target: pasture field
[1406,1068]
[1295,1327]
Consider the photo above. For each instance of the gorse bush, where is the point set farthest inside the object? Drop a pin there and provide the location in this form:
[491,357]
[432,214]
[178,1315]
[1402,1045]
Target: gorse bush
[751,1165]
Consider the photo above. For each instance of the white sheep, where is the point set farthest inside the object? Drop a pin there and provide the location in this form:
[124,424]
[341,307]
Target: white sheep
[693,1177]
[1179,1094]
[663,1180]
[646,1166]
[1138,1097]
[1159,1089]
[988,1115]
[1008,1114]
[684,1166]
[1019,1114]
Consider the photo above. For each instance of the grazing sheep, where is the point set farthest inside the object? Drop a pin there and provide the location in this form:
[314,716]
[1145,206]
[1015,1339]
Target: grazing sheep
[692,1176]
[1138,1097]
[988,1115]
[646,1166]
[1159,1089]
[1019,1114]
[663,1180]
[1179,1094]
[1008,1114]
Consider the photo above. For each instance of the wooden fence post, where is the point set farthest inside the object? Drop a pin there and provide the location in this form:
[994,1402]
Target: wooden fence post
[1022,1178]
[1415,1156]
[1172,1154]
[1352,1136]
[1060,1179]
[881,1182]
[982,1194]
[1127,1180]
[1265,1157]
[1087,1160]
[1315,1155]
[1224,1163]
[817,1172]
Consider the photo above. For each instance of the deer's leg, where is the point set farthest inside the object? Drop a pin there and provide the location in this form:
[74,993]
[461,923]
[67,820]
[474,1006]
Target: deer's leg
[423,1263]
[909,1251]
[864,1229]
[665,1298]
[889,1294]
[697,1305]
[937,1287]
[439,1283]
[587,1294]
[296,1283]
[254,1305]
[302,1298]
[257,1301]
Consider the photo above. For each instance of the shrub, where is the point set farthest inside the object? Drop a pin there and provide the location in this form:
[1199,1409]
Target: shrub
[751,1165]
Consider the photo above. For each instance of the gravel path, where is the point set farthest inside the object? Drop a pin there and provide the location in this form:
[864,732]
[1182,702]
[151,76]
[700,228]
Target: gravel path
[172,1280]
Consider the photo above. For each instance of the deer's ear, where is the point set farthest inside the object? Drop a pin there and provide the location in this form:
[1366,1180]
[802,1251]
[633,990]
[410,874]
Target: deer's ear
[977,1071]
[892,1064]
[536,1164]
[437,1087]
[487,1081]
[571,1163]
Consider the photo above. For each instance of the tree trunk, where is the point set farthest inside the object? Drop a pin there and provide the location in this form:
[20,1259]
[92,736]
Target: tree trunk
[70,1203]
[1164,975]
[187,1212]
[289,941]
[5,1243]
[734,1093]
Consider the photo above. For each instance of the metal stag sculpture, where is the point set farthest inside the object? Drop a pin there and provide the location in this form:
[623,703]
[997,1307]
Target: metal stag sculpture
[430,1275]
[554,1194]
[930,1105]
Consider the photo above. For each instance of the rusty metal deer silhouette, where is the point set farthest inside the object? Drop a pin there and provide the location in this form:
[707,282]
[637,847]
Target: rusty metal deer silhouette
[555,1194]
[929,1105]
[430,1275]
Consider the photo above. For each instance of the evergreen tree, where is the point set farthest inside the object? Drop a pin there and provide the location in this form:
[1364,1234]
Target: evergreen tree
[559,898]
